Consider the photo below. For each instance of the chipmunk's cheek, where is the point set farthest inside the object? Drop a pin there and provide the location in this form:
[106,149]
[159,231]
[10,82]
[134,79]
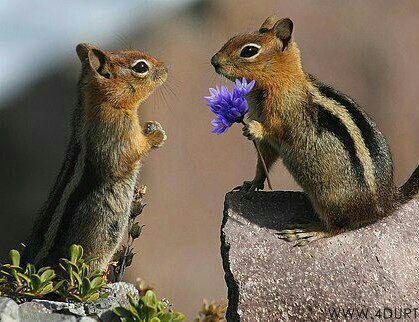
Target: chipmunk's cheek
[225,71]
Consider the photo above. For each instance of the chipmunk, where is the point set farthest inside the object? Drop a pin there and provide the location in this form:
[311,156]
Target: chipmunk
[332,148]
[90,201]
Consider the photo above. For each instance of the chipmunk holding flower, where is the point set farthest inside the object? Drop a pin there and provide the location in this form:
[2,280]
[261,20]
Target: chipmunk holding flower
[329,144]
[90,202]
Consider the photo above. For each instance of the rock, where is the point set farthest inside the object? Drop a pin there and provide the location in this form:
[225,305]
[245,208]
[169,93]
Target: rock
[9,310]
[27,314]
[373,269]
[34,306]
[44,310]
[61,307]
[117,297]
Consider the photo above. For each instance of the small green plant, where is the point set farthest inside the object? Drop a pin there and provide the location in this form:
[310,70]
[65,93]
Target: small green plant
[78,282]
[148,309]
[21,283]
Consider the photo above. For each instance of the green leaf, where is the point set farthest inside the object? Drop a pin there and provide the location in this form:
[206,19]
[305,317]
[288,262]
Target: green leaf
[15,257]
[85,290]
[97,273]
[161,306]
[165,316]
[97,282]
[58,285]
[5,273]
[25,277]
[148,311]
[135,313]
[36,282]
[30,269]
[70,265]
[178,317]
[155,319]
[84,270]
[76,253]
[43,269]
[15,276]
[92,298]
[28,294]
[132,300]
[150,299]
[76,297]
[47,289]
[77,277]
[47,275]
[123,313]
[62,267]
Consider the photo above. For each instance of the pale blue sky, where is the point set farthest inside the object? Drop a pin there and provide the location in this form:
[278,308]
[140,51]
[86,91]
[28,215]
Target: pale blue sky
[36,35]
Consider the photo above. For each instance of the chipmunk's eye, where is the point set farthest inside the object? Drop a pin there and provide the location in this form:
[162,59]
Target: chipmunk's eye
[249,50]
[140,67]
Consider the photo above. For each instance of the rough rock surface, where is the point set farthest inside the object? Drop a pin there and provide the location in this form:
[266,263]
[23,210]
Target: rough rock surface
[374,269]
[43,310]
[9,310]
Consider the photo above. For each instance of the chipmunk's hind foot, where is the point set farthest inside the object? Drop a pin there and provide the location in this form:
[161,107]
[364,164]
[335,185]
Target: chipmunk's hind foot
[249,186]
[303,234]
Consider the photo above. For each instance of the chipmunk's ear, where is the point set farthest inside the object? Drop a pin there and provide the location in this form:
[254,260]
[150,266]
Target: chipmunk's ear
[96,59]
[268,24]
[283,31]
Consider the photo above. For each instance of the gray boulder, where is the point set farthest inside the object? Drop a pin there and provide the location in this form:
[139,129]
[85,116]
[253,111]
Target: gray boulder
[9,310]
[368,272]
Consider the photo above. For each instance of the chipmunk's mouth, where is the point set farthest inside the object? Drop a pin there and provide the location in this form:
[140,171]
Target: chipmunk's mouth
[226,75]
[221,71]
[219,67]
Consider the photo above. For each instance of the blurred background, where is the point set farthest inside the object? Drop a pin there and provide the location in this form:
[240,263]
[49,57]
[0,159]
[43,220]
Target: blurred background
[366,49]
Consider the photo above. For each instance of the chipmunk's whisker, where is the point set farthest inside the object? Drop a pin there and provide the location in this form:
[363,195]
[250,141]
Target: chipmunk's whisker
[213,76]
[169,90]
[162,96]
[175,82]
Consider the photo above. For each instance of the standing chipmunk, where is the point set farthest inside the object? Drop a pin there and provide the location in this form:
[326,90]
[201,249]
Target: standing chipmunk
[331,147]
[90,201]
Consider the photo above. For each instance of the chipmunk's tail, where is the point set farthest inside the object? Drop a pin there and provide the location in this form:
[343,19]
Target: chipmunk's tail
[411,188]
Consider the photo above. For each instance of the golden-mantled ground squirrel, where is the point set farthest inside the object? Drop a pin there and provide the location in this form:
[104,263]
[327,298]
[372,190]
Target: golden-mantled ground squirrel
[90,201]
[332,148]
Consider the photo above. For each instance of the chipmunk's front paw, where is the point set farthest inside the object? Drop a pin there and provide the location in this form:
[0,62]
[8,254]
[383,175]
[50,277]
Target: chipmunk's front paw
[156,136]
[253,130]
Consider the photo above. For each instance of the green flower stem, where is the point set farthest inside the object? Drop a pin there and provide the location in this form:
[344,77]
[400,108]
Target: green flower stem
[265,168]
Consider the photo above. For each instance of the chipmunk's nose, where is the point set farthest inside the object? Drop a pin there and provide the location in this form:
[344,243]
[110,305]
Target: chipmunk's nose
[215,61]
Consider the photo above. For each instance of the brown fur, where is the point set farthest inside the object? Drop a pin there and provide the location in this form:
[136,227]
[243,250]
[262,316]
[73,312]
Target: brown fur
[316,136]
[94,207]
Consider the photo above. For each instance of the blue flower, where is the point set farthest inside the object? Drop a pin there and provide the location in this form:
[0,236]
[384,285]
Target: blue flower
[229,107]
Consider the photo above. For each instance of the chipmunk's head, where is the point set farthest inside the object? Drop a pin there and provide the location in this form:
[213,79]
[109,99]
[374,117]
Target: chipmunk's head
[123,78]
[264,56]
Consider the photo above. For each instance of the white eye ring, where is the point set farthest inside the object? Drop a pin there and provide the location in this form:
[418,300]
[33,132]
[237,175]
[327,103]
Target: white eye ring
[253,45]
[137,70]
